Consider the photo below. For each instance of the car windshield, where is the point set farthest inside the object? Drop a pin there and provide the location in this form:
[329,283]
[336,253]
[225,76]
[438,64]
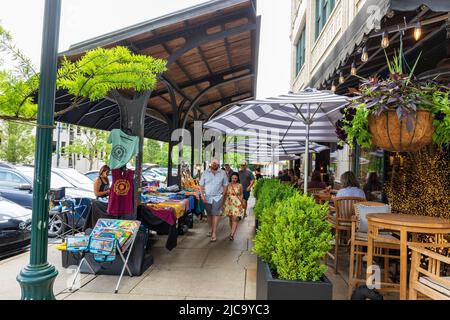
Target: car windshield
[56,181]
[73,176]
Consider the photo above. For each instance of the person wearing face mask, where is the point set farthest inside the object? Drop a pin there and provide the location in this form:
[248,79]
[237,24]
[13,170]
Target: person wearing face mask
[213,184]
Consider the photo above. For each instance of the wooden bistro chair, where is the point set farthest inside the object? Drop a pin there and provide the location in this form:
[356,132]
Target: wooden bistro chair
[428,280]
[313,192]
[341,221]
[358,245]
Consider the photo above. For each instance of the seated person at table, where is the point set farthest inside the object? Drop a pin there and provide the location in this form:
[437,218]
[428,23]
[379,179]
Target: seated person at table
[350,186]
[101,184]
[316,181]
[372,185]
[293,176]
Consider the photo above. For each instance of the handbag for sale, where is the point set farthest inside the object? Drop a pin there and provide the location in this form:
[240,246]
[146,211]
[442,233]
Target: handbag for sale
[77,243]
[103,248]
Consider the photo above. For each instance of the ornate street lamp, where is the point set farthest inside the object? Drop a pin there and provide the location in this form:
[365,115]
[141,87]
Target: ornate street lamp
[37,278]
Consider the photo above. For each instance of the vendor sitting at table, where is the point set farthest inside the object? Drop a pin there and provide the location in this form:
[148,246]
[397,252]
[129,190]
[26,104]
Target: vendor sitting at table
[350,186]
[101,184]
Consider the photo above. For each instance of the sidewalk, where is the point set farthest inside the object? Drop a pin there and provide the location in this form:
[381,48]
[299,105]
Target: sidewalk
[195,269]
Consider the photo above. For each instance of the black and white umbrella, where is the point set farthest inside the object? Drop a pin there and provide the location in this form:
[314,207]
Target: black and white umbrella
[267,151]
[308,115]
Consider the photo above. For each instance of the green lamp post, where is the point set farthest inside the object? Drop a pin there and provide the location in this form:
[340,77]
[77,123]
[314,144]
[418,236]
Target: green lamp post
[37,278]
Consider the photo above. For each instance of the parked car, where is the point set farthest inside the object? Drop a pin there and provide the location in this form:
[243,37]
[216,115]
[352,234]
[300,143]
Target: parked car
[16,184]
[148,175]
[15,227]
[77,179]
[151,174]
[92,175]
[75,183]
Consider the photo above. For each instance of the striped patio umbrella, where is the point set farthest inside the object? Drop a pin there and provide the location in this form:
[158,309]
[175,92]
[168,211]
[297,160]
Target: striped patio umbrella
[267,151]
[308,115]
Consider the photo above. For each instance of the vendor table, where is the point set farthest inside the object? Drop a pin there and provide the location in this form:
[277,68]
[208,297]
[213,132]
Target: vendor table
[404,224]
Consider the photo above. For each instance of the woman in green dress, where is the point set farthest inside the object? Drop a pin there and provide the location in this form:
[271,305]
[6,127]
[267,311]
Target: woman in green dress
[232,203]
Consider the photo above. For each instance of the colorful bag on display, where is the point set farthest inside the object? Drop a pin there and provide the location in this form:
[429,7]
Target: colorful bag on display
[77,243]
[103,248]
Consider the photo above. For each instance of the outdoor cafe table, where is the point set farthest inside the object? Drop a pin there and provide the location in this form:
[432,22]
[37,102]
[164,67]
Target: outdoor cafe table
[404,224]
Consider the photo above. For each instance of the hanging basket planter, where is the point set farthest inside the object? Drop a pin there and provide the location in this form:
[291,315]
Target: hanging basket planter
[391,134]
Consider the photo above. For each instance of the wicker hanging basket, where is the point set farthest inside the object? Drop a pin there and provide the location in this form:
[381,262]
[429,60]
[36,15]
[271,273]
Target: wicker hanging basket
[390,134]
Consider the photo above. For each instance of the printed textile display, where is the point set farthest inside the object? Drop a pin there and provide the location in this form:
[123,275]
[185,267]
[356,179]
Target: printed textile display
[121,194]
[121,230]
[124,147]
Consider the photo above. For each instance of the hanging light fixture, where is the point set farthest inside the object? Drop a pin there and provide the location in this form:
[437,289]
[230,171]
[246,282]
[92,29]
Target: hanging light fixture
[341,78]
[333,87]
[353,71]
[365,55]
[384,40]
[417,31]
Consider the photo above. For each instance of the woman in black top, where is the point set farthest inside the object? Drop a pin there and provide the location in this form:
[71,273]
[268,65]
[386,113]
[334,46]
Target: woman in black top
[101,184]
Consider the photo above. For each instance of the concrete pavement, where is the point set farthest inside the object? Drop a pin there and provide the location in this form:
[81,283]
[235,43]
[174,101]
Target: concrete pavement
[195,269]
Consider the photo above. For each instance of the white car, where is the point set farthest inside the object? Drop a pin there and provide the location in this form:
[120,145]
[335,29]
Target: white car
[77,185]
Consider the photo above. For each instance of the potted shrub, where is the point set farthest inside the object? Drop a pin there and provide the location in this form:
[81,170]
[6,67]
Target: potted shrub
[292,239]
[270,192]
[397,114]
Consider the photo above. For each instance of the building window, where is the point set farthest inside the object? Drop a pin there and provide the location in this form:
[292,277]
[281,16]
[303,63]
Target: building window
[70,162]
[78,131]
[300,60]
[63,151]
[323,12]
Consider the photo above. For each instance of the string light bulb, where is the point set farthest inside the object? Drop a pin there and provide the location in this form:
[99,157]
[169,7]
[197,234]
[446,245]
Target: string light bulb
[353,71]
[365,55]
[417,31]
[384,40]
[333,87]
[341,78]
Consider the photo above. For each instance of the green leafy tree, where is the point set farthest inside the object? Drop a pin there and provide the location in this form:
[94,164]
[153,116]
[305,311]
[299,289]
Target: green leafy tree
[152,151]
[98,73]
[17,142]
[91,147]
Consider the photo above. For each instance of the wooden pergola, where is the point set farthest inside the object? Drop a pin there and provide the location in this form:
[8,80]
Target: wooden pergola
[212,54]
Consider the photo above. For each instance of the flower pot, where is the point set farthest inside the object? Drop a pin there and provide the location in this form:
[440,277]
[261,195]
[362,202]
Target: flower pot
[268,288]
[390,134]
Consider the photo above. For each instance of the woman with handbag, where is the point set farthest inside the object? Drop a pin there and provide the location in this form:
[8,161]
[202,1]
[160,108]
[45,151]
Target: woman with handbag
[233,203]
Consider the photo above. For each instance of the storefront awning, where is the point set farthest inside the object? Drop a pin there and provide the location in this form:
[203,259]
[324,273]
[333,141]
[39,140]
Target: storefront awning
[375,17]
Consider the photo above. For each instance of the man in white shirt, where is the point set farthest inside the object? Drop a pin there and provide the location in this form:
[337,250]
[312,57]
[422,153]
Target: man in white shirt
[213,184]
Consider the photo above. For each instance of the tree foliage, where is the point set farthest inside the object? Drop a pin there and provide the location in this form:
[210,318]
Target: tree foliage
[152,152]
[91,146]
[93,77]
[16,142]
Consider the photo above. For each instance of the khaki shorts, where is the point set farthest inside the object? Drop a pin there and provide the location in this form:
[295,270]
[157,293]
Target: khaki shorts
[213,209]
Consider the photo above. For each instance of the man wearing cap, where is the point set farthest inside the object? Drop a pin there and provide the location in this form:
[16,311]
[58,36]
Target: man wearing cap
[247,180]
[213,184]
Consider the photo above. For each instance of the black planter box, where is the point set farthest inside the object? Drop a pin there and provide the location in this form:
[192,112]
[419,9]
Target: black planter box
[268,288]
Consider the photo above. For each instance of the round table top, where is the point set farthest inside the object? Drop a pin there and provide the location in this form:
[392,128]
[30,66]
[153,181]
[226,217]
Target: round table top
[409,220]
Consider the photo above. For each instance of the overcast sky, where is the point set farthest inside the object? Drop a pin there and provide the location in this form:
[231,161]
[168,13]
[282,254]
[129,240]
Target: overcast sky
[84,19]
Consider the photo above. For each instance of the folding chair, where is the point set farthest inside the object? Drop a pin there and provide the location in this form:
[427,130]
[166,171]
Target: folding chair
[68,214]
[109,227]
